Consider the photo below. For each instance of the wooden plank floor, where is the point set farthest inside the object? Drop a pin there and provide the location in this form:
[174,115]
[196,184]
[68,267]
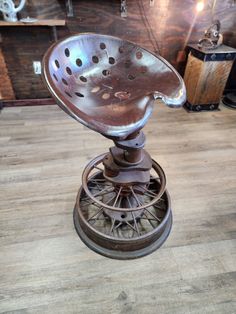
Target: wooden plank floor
[45,268]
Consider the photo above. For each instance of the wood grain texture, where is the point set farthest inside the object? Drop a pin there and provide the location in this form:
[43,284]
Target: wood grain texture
[205,81]
[45,268]
[165,28]
[192,77]
[51,22]
[6,90]
[213,81]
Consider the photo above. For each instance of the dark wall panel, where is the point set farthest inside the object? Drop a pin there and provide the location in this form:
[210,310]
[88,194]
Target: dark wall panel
[21,47]
[165,28]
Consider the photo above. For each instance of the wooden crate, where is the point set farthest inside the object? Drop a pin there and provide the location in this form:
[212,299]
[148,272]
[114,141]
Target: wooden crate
[206,75]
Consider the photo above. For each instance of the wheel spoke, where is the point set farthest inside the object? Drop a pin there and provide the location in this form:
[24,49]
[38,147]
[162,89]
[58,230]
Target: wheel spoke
[154,216]
[90,202]
[135,224]
[104,193]
[150,221]
[97,218]
[112,226]
[97,187]
[100,184]
[151,194]
[111,199]
[148,192]
[100,211]
[98,168]
[158,207]
[148,218]
[130,226]
[127,197]
[101,193]
[135,196]
[119,224]
[118,194]
[97,180]
[106,198]
[105,190]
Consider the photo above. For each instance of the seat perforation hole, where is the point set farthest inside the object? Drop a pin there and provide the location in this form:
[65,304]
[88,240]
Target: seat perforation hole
[68,70]
[102,46]
[112,60]
[79,62]
[95,59]
[57,64]
[67,52]
[83,79]
[131,77]
[79,94]
[68,94]
[121,49]
[106,72]
[55,77]
[106,96]
[139,55]
[64,81]
[95,89]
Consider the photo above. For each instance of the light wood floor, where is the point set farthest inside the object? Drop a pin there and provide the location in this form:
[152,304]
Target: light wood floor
[45,268]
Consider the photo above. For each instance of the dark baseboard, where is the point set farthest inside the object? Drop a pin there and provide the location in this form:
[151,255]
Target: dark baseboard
[198,108]
[27,102]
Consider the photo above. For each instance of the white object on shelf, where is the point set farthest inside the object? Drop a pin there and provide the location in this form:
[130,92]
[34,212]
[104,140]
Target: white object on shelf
[37,67]
[8,9]
[28,20]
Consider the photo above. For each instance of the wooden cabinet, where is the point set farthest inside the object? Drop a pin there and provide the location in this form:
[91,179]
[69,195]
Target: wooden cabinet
[17,52]
[206,75]
[6,90]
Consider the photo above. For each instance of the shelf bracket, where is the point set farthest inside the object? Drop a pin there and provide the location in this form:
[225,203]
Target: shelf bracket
[69,7]
[54,33]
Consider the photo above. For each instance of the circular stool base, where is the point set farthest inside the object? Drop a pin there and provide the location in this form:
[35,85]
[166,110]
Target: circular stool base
[229,101]
[118,254]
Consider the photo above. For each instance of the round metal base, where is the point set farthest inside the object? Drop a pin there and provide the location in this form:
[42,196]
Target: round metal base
[122,255]
[122,238]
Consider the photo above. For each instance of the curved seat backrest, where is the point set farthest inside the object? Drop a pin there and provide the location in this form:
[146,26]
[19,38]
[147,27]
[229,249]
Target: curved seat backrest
[109,84]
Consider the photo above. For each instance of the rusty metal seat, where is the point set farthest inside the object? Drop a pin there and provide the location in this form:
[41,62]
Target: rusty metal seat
[109,84]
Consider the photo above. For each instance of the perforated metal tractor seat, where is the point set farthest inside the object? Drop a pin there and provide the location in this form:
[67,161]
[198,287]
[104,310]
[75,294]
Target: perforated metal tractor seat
[122,208]
[109,84]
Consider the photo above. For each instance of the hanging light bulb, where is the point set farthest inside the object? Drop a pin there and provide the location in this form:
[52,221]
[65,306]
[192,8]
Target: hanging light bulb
[200,6]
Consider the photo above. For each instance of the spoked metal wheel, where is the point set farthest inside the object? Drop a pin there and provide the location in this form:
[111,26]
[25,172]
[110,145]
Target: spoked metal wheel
[122,221]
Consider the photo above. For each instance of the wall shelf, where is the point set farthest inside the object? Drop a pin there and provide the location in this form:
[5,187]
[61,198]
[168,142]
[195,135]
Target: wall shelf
[48,22]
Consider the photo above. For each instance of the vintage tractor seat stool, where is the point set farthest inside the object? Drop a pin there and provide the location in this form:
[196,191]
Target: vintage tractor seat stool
[110,85]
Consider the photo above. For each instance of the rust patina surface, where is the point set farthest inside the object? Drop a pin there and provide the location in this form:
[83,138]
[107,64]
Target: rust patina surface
[109,84]
[123,209]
